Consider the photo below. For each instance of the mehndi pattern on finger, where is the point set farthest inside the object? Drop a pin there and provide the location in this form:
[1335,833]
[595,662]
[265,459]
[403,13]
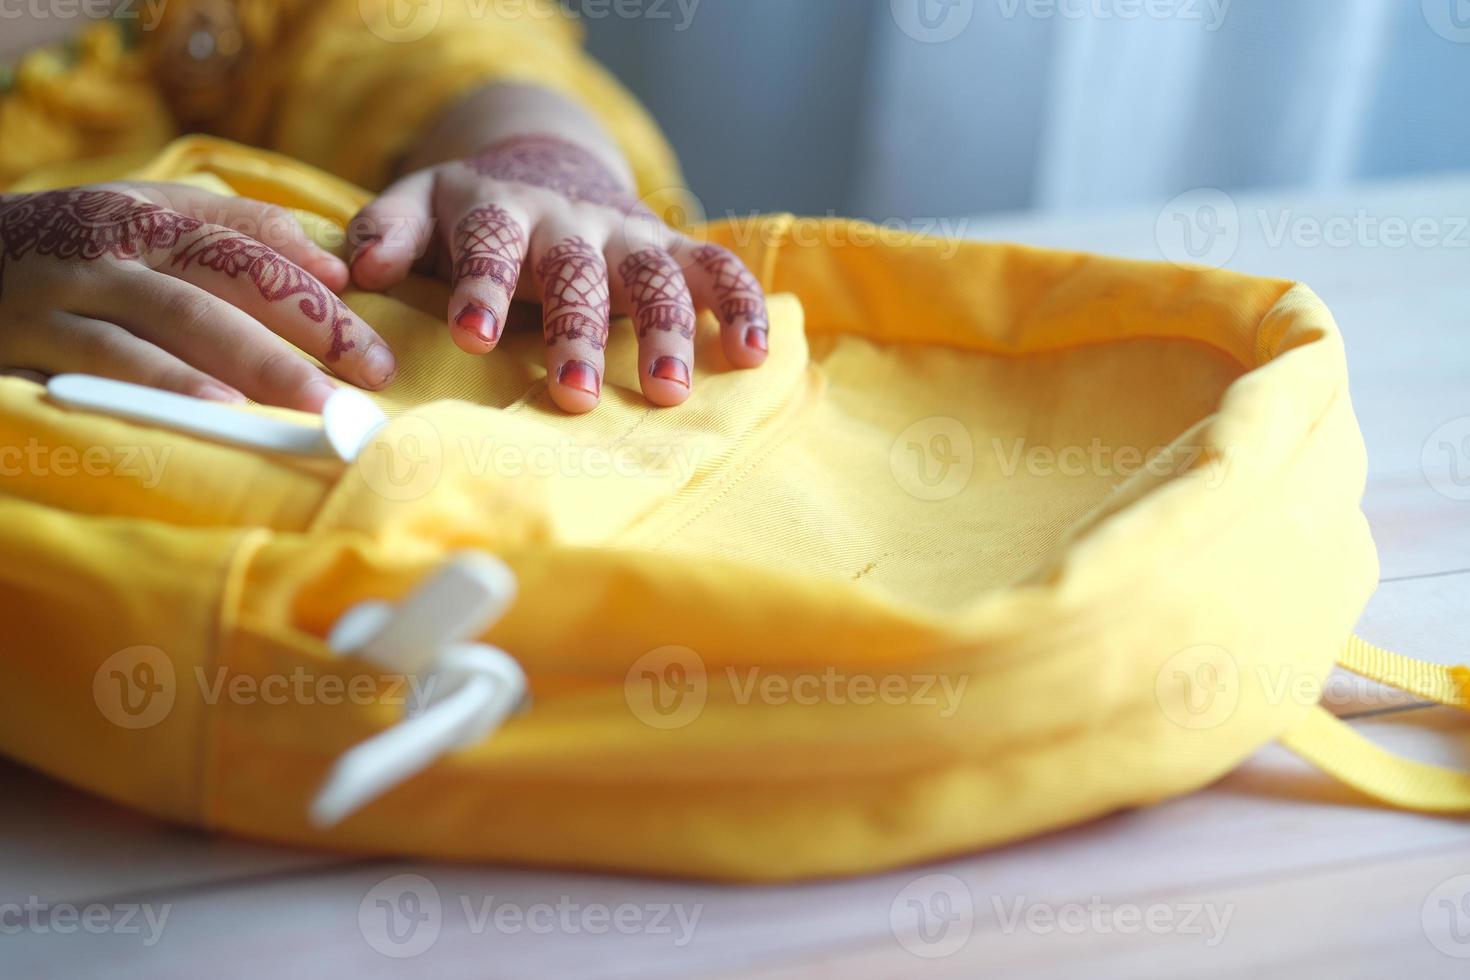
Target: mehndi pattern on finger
[574,290]
[655,284]
[490,244]
[739,294]
[276,277]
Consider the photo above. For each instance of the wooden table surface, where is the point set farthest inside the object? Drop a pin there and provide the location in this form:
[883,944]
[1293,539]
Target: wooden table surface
[1273,872]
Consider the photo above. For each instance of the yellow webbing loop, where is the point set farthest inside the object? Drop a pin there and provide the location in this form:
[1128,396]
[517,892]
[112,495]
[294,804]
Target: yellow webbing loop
[1432,682]
[1334,747]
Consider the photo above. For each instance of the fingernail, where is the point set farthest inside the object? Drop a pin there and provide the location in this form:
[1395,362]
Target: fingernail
[378,365]
[671,369]
[480,322]
[317,393]
[580,375]
[365,246]
[215,393]
[337,265]
[755,339]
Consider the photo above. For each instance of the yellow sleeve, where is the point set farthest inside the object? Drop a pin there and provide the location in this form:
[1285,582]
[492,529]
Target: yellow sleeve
[71,102]
[347,85]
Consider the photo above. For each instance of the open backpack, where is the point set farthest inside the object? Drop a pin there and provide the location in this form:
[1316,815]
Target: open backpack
[1000,539]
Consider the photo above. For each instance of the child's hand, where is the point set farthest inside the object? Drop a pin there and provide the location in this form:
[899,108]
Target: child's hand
[559,209]
[180,289]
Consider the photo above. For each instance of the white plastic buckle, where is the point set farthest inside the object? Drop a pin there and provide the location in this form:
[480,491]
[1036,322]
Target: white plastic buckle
[350,419]
[468,689]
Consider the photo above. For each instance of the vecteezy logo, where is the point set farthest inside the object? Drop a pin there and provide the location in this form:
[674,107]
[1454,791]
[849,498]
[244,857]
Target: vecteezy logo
[933,21]
[135,688]
[1446,917]
[1199,227]
[1446,459]
[933,917]
[405,461]
[401,916]
[1450,19]
[1199,687]
[933,459]
[666,688]
[401,21]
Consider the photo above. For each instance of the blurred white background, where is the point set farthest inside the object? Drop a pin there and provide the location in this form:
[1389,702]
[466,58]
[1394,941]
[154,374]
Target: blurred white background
[914,109]
[930,108]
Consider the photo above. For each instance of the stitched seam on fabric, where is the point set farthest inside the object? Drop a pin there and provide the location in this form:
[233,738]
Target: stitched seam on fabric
[516,408]
[1017,355]
[1259,338]
[1058,737]
[326,516]
[704,499]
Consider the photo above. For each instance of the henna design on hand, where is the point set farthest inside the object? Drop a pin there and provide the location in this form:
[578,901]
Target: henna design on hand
[90,224]
[574,290]
[655,283]
[86,224]
[738,292]
[490,245]
[555,165]
[276,277]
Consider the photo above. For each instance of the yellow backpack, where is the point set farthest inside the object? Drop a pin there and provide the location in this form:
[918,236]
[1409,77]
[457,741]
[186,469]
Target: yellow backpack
[1000,539]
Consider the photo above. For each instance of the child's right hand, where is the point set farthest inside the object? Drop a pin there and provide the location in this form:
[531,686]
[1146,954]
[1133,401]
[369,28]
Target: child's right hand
[160,285]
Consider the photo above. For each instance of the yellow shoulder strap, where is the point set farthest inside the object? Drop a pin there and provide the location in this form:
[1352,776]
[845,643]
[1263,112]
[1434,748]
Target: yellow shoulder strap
[1335,748]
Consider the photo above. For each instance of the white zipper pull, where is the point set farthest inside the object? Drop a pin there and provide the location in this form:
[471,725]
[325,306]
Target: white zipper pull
[349,419]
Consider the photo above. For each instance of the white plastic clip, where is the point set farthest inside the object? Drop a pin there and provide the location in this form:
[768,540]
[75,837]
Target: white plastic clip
[350,419]
[468,689]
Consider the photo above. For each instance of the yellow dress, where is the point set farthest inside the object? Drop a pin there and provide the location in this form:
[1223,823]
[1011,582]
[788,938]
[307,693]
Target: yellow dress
[1000,539]
[343,85]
